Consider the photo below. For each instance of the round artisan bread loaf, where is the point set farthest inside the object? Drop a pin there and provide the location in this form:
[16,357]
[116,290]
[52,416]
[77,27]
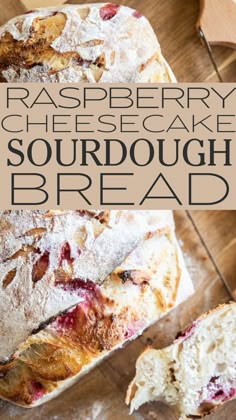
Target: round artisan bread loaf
[81,43]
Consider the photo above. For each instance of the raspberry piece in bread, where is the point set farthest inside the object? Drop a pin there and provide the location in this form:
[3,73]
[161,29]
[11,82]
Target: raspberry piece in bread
[197,373]
[108,11]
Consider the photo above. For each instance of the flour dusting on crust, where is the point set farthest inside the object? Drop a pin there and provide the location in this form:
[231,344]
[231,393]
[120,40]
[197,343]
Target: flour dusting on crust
[81,43]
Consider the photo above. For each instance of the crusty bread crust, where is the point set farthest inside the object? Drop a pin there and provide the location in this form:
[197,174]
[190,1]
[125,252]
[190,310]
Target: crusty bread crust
[81,43]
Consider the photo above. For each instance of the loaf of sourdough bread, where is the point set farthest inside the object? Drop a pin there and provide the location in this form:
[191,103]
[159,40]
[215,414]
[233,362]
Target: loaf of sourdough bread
[149,282]
[81,43]
[197,373]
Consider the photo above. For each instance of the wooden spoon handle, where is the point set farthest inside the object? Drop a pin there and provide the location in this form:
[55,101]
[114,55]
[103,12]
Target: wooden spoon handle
[218,21]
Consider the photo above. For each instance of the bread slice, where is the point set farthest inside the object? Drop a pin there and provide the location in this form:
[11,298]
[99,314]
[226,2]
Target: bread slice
[81,43]
[146,285]
[197,373]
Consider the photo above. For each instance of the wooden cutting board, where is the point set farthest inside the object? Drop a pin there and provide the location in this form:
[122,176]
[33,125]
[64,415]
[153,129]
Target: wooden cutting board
[100,395]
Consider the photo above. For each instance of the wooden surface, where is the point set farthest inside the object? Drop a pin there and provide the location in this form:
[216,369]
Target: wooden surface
[217,21]
[220,235]
[29,4]
[100,395]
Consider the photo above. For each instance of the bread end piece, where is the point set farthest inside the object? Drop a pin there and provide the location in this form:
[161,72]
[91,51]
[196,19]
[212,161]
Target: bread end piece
[197,373]
[149,384]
